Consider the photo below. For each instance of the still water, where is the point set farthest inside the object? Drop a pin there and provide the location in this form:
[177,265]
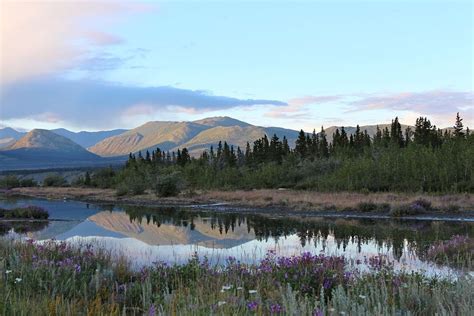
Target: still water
[146,235]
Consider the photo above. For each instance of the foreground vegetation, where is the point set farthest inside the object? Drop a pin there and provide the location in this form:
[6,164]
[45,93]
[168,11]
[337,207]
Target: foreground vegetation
[55,278]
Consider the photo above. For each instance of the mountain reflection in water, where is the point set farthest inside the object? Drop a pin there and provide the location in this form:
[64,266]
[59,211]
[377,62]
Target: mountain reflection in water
[146,235]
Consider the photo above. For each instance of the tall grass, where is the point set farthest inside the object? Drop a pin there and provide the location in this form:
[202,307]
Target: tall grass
[55,278]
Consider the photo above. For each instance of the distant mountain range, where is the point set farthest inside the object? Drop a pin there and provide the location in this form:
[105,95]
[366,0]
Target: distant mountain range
[196,136]
[63,148]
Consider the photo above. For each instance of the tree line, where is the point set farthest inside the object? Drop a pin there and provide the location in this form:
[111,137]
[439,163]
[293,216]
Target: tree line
[419,159]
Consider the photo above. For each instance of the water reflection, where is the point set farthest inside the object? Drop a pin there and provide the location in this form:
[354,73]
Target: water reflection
[146,235]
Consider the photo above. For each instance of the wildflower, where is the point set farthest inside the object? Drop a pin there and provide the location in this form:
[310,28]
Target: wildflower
[8,271]
[317,312]
[77,268]
[252,291]
[17,280]
[362,296]
[226,288]
[220,303]
[239,288]
[276,308]
[152,310]
[252,305]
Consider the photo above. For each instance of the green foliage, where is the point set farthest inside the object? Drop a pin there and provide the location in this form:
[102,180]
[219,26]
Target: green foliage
[9,182]
[425,160]
[56,278]
[54,180]
[167,185]
[28,182]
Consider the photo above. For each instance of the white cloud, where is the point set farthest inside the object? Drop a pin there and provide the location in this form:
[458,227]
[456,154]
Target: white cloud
[41,37]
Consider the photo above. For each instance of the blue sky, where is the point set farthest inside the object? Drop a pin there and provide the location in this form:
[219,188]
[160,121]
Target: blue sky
[290,64]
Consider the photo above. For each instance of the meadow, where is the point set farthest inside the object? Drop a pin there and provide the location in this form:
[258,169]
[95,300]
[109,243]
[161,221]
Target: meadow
[57,278]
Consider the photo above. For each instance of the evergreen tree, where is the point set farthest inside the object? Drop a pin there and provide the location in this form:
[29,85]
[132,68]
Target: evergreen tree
[300,146]
[323,144]
[87,179]
[458,127]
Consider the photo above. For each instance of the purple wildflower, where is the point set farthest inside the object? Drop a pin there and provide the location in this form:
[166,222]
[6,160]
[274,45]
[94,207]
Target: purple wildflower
[252,305]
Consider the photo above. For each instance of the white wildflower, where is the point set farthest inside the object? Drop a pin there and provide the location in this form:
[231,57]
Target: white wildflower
[252,291]
[8,271]
[240,288]
[220,303]
[17,280]
[226,288]
[362,296]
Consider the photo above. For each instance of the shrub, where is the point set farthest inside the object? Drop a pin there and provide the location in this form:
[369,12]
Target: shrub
[28,182]
[367,207]
[167,185]
[54,180]
[407,210]
[370,207]
[9,182]
[422,203]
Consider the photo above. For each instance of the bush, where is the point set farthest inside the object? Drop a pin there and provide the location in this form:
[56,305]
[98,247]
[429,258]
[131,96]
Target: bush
[367,207]
[28,182]
[9,182]
[370,207]
[407,210]
[422,203]
[167,185]
[54,180]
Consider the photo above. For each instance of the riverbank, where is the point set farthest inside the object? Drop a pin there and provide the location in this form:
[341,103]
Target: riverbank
[282,202]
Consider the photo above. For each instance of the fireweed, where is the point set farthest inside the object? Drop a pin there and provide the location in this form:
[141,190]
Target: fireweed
[457,251]
[57,278]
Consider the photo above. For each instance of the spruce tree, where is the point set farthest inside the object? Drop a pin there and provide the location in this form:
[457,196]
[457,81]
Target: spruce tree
[458,127]
[300,146]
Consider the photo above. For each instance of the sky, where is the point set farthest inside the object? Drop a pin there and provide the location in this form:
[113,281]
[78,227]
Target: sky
[95,65]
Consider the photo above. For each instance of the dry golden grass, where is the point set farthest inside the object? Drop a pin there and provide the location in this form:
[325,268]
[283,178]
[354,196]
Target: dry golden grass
[290,199]
[311,200]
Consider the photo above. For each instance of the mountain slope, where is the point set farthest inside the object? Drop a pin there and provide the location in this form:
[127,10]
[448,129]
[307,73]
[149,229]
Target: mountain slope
[8,136]
[41,145]
[166,135]
[196,136]
[87,139]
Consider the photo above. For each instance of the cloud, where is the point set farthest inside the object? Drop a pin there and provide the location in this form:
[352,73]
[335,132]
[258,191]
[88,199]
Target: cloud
[45,37]
[438,105]
[297,108]
[429,102]
[99,104]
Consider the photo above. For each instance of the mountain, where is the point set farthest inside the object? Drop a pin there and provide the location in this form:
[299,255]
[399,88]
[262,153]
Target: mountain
[196,136]
[87,139]
[8,136]
[221,121]
[41,148]
[166,135]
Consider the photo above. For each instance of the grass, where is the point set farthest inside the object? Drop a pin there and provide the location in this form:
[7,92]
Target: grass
[290,199]
[27,212]
[55,278]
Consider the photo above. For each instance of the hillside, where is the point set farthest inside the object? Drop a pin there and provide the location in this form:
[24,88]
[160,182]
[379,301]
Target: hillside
[87,139]
[196,136]
[43,148]
[9,136]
